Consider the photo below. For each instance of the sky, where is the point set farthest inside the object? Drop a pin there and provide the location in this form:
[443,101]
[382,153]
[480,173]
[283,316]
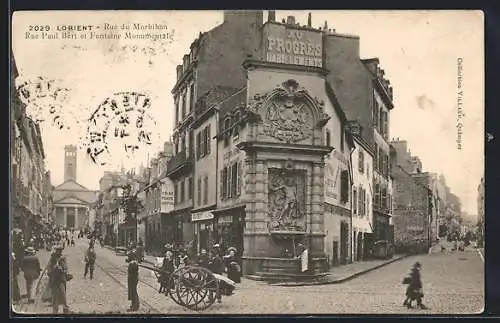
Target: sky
[420,51]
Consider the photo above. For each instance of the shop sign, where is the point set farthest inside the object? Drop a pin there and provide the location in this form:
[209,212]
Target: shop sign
[167,196]
[201,216]
[225,219]
[293,46]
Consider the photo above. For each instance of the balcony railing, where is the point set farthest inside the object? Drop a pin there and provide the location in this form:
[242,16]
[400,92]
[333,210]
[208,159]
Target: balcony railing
[179,162]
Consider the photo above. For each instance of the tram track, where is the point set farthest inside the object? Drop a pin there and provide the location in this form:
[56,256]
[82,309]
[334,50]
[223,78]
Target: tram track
[119,275]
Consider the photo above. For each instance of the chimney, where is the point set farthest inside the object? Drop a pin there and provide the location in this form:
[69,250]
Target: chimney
[271,15]
[290,20]
[309,20]
[326,25]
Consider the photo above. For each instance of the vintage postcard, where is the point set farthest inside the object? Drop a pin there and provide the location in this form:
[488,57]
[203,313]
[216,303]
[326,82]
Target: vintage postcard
[247,162]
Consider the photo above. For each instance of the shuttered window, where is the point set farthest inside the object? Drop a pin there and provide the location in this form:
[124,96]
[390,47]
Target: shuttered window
[354,201]
[344,186]
[209,137]
[240,174]
[205,191]
[228,183]
[198,145]
[222,180]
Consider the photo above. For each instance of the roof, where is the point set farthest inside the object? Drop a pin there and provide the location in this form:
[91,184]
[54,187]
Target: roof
[336,105]
[71,185]
[71,200]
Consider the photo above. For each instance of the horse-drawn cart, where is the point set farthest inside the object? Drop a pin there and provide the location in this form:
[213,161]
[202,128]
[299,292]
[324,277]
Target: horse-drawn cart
[194,287]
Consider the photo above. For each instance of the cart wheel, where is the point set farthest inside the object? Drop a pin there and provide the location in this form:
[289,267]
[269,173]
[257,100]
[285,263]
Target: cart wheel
[195,288]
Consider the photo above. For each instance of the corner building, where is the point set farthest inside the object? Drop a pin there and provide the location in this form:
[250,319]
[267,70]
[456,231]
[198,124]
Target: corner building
[262,157]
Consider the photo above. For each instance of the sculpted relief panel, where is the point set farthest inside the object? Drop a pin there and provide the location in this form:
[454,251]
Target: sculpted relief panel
[286,207]
[288,113]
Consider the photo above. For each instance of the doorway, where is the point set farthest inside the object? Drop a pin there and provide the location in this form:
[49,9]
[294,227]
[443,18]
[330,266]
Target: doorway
[359,244]
[344,240]
[335,253]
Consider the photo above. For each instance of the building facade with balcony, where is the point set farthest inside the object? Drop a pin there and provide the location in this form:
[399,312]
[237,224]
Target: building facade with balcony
[30,189]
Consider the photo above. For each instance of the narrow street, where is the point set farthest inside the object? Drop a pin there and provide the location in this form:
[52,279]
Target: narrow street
[453,284]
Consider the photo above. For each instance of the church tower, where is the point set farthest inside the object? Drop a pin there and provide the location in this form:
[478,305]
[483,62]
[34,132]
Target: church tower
[70,163]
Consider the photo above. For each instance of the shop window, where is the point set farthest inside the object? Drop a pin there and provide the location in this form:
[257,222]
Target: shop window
[344,186]
[205,193]
[361,162]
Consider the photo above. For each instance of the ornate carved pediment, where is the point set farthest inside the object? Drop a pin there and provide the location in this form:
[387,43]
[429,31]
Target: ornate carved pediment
[289,113]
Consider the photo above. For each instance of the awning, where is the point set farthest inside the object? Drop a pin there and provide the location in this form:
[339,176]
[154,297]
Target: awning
[201,216]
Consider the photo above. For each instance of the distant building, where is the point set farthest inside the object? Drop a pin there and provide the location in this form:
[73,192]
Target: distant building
[480,212]
[72,200]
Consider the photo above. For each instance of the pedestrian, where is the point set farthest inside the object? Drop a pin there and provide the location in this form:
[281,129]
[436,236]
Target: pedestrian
[16,294]
[132,281]
[90,257]
[414,290]
[58,277]
[166,271]
[203,259]
[140,249]
[31,269]
[232,266]
[72,242]
[215,263]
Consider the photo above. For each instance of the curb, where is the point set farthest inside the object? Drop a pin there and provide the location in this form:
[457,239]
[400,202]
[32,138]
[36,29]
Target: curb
[340,280]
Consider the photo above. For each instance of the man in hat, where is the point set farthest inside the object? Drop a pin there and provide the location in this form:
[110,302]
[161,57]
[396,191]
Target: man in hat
[89,262]
[31,268]
[414,289]
[133,280]
[16,295]
[58,276]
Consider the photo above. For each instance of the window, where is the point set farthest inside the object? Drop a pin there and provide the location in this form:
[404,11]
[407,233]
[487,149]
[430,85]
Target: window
[328,138]
[198,145]
[191,97]
[224,183]
[240,174]
[236,132]
[190,188]
[375,111]
[228,183]
[354,201]
[380,160]
[208,139]
[234,179]
[361,162]
[385,125]
[181,184]
[199,191]
[205,193]
[344,186]
[226,132]
[376,196]
[203,142]
[381,121]
[183,105]
[176,110]
[176,195]
[342,138]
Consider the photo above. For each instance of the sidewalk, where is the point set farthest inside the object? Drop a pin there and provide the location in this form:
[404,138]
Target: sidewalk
[344,273]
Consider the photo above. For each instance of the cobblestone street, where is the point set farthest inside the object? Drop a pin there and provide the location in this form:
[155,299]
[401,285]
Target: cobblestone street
[453,284]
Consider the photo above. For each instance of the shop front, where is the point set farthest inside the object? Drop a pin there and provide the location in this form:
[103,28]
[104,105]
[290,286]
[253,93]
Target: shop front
[204,229]
[229,228]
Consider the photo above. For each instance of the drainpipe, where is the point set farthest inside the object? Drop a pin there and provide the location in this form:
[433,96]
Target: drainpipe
[350,194]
